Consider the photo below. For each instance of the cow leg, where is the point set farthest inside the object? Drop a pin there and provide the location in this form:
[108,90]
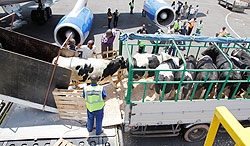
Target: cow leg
[180,95]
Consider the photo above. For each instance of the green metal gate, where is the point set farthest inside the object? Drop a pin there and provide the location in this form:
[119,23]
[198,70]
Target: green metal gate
[191,45]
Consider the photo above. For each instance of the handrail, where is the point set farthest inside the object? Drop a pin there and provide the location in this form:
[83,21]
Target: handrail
[12,20]
[52,76]
[238,133]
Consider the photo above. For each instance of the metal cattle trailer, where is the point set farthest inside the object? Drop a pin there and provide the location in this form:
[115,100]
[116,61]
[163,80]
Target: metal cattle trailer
[170,117]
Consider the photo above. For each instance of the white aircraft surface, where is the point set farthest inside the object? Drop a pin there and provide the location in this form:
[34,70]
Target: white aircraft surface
[40,15]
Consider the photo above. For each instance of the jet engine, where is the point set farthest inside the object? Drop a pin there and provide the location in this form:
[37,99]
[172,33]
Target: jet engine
[159,12]
[78,21]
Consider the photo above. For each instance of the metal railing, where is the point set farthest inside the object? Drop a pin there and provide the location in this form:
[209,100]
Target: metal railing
[238,133]
[130,49]
[12,19]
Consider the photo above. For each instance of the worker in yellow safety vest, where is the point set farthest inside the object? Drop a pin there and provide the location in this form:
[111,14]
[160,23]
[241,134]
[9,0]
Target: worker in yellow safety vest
[177,25]
[94,96]
[132,5]
[142,44]
[223,32]
[199,27]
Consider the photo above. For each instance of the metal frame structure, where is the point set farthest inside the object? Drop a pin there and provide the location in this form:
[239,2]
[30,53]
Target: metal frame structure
[192,111]
[239,134]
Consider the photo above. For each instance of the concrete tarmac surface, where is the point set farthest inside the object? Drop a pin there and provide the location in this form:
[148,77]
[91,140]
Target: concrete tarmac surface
[218,16]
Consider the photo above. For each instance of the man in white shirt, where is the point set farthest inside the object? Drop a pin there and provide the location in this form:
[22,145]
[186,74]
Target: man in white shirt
[87,51]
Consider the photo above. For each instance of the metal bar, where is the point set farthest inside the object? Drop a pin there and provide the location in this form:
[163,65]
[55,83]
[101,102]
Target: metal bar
[195,87]
[236,90]
[208,90]
[6,16]
[197,52]
[144,92]
[131,53]
[52,76]
[184,70]
[130,74]
[157,76]
[247,93]
[231,67]
[163,90]
[120,47]
[12,21]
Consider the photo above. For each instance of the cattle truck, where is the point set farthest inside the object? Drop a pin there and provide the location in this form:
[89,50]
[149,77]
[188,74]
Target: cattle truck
[171,117]
[235,5]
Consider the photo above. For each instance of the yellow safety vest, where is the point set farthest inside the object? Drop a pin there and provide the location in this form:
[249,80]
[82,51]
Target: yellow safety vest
[93,98]
[132,5]
[142,43]
[177,25]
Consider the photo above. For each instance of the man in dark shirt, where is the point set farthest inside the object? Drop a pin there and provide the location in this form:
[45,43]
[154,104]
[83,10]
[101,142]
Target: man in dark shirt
[116,15]
[109,17]
[72,45]
[142,29]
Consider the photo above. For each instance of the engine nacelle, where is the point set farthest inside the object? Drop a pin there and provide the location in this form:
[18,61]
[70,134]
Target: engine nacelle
[78,21]
[159,11]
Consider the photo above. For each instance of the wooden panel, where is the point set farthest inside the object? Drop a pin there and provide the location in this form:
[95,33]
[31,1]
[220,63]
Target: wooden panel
[27,79]
[62,142]
[71,105]
[30,46]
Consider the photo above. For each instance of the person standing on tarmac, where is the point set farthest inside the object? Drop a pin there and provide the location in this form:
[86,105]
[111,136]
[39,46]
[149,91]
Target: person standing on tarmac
[94,96]
[191,26]
[132,5]
[109,17]
[177,25]
[199,27]
[223,32]
[142,29]
[116,15]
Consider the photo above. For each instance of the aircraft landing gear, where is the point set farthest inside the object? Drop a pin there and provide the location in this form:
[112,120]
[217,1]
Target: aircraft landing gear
[41,14]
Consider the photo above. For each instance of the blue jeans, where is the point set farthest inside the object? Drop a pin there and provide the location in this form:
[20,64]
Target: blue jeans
[91,117]
[171,48]
[198,31]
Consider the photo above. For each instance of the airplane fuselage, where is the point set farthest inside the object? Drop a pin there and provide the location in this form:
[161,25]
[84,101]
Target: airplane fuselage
[8,2]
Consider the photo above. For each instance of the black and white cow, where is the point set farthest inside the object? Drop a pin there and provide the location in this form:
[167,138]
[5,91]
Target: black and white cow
[171,63]
[205,62]
[147,61]
[82,69]
[241,59]
[221,63]
[185,90]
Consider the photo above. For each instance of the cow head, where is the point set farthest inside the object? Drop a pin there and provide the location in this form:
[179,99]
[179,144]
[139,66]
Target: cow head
[211,51]
[121,61]
[236,53]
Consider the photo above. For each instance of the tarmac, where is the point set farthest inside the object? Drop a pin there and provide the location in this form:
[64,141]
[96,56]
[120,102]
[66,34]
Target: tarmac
[218,16]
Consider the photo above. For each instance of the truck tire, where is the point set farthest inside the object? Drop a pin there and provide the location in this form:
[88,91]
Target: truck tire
[196,133]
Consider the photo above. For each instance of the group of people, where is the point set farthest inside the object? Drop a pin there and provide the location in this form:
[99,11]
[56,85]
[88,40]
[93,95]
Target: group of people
[185,11]
[88,51]
[114,16]
[186,27]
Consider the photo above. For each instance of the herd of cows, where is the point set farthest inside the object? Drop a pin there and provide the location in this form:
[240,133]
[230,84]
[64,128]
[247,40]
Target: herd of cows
[212,59]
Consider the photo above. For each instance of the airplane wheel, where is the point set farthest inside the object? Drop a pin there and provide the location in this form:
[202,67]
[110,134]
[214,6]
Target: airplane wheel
[43,17]
[49,12]
[196,133]
[34,16]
